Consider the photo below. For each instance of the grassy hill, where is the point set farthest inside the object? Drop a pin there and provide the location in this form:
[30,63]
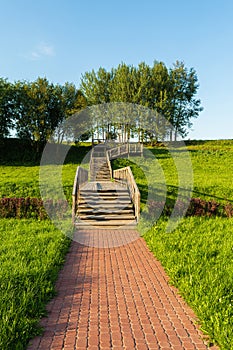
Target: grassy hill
[197,255]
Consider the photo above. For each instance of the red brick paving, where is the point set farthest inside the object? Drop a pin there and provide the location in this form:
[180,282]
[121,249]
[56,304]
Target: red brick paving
[116,298]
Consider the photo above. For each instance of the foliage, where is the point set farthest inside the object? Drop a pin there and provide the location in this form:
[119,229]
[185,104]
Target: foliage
[168,93]
[27,208]
[197,207]
[35,109]
[31,255]
[6,108]
[183,105]
[14,151]
[96,86]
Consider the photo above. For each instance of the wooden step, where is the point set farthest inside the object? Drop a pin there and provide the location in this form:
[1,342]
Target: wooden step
[103,211]
[104,189]
[104,194]
[104,203]
[112,207]
[108,224]
[107,217]
[109,196]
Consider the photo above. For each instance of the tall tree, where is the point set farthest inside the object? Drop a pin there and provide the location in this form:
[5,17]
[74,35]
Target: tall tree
[6,107]
[38,110]
[124,89]
[183,102]
[71,101]
[159,101]
[170,94]
[95,86]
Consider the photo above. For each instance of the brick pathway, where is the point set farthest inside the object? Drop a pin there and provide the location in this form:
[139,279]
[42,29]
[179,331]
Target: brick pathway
[116,298]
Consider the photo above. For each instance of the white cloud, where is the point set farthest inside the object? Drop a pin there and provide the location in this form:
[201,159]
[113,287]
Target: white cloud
[45,49]
[40,51]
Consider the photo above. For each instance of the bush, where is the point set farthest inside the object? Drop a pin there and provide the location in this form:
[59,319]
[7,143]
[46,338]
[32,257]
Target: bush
[197,207]
[26,208]
[200,207]
[229,210]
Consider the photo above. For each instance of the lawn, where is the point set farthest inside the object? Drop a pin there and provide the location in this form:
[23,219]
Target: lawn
[198,255]
[31,255]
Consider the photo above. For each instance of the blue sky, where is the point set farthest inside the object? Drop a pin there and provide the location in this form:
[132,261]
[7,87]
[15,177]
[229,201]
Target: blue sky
[63,39]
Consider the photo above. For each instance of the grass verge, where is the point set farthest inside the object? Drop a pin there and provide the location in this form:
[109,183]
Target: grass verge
[198,257]
[31,255]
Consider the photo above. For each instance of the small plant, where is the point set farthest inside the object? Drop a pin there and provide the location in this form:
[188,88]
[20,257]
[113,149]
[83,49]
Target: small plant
[201,207]
[197,207]
[229,210]
[26,208]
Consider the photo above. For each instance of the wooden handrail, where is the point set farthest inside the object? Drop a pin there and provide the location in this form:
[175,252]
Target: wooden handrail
[125,175]
[125,149]
[91,161]
[81,177]
[109,163]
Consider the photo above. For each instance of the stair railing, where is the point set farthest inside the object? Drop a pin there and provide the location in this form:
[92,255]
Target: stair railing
[81,177]
[109,163]
[91,163]
[125,176]
[125,149]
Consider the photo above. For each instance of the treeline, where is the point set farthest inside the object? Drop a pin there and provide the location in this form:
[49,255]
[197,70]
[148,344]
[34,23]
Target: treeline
[171,93]
[34,110]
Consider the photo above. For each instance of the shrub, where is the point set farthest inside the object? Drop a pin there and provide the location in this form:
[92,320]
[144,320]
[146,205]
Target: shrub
[27,208]
[229,210]
[197,207]
[200,207]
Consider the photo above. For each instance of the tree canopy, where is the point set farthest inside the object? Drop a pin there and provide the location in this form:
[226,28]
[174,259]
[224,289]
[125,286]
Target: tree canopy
[170,93]
[6,108]
[35,110]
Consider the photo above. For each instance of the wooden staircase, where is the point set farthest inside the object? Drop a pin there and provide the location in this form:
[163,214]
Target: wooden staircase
[100,170]
[99,167]
[104,202]
[104,205]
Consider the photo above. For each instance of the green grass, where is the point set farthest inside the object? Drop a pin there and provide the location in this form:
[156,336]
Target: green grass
[31,255]
[211,169]
[19,181]
[23,180]
[198,257]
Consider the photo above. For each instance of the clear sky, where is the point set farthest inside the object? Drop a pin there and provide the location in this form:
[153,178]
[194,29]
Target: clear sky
[61,40]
